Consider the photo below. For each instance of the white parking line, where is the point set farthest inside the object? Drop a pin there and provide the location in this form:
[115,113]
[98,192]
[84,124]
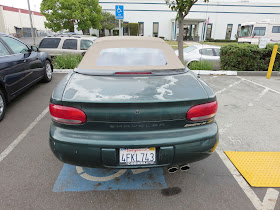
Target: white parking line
[228,87]
[275,91]
[10,148]
[259,96]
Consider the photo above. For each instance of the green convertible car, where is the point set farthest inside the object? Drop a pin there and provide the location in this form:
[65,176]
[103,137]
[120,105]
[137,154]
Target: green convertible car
[132,104]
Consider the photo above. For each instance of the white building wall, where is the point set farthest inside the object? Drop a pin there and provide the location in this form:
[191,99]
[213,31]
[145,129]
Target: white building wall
[19,18]
[220,14]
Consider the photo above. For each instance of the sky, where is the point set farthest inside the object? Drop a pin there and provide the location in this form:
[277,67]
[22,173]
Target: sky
[22,4]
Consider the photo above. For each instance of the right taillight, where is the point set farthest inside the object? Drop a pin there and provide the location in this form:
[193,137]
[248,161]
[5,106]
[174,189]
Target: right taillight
[66,114]
[202,112]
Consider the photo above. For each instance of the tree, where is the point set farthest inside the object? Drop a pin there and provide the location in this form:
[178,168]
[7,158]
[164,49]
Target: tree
[108,21]
[63,14]
[182,7]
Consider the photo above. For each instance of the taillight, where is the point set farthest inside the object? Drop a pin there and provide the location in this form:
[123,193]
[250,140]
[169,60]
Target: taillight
[67,115]
[202,112]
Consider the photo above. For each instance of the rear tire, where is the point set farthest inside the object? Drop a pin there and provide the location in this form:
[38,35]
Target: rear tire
[2,104]
[47,72]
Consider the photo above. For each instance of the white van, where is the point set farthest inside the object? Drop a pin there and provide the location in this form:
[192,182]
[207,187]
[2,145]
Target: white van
[252,32]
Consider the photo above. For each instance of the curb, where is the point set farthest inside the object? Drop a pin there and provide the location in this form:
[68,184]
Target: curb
[207,72]
[236,73]
[62,71]
[257,73]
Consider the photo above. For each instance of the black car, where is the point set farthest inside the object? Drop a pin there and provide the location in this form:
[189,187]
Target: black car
[20,67]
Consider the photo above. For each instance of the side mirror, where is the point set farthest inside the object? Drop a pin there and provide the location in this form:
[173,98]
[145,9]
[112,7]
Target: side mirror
[34,48]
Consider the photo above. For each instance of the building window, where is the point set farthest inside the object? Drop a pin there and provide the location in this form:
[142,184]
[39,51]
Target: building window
[155,29]
[229,30]
[276,29]
[238,30]
[126,29]
[209,31]
[141,29]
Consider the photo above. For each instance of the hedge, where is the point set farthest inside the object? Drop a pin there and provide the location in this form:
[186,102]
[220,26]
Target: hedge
[247,57]
[133,29]
[220,40]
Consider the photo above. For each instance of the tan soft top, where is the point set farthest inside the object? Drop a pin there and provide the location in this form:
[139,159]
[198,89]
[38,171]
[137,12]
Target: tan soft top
[90,58]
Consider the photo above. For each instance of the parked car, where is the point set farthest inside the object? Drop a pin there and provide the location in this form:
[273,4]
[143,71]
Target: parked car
[132,104]
[63,44]
[20,67]
[202,52]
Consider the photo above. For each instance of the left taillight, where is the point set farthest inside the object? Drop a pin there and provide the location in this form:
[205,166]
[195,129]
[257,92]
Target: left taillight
[202,112]
[66,114]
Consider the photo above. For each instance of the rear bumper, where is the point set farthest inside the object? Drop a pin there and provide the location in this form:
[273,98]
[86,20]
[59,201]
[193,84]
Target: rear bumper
[101,149]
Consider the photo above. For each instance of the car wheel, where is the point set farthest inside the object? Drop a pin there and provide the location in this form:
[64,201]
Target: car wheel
[2,105]
[47,72]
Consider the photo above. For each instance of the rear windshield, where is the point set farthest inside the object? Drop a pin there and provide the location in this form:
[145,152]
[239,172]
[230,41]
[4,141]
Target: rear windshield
[131,57]
[49,43]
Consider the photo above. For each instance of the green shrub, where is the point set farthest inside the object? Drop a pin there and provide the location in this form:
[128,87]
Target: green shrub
[247,57]
[201,65]
[66,61]
[133,29]
[162,37]
[220,40]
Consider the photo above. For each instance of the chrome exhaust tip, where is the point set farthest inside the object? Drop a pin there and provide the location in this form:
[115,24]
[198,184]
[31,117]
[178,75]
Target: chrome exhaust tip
[185,167]
[172,169]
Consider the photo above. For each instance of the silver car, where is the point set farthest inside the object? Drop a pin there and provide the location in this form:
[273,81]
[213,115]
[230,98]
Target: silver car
[202,52]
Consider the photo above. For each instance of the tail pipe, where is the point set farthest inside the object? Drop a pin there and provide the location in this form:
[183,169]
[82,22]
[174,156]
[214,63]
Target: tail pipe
[172,169]
[184,167]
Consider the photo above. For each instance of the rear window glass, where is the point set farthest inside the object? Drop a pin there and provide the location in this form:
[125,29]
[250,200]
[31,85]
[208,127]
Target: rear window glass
[131,57]
[85,44]
[70,44]
[217,51]
[49,43]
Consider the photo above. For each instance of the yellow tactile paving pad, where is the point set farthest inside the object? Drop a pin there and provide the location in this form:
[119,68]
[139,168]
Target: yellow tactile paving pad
[260,169]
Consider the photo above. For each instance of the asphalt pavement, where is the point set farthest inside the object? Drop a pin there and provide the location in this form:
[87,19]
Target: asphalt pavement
[32,178]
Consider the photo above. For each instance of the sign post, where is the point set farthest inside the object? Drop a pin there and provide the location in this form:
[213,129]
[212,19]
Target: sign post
[119,11]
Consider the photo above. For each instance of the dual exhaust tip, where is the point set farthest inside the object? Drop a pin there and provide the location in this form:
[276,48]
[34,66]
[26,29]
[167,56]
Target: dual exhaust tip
[174,169]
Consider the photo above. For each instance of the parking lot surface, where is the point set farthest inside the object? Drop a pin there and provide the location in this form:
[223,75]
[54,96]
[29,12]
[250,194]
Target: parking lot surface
[32,178]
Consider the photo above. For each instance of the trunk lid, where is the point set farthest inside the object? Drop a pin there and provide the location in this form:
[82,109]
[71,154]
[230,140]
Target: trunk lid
[134,103]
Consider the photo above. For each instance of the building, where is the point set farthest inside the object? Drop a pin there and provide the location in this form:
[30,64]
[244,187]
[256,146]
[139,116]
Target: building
[155,18]
[16,21]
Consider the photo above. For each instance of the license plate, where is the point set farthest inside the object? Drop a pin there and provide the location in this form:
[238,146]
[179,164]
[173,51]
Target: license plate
[142,156]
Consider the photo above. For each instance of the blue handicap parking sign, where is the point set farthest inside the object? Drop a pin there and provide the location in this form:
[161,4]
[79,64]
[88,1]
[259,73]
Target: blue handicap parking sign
[75,178]
[119,11]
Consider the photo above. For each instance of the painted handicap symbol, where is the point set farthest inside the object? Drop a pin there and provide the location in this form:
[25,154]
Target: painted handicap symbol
[75,178]
[89,177]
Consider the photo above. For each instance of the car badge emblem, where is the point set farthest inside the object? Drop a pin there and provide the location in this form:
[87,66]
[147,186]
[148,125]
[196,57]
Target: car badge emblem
[137,111]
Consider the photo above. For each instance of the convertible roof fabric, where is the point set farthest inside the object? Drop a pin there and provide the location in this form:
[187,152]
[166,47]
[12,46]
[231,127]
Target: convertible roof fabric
[92,54]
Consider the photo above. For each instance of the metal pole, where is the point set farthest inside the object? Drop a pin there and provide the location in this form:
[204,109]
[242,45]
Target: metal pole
[120,28]
[32,30]
[272,60]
